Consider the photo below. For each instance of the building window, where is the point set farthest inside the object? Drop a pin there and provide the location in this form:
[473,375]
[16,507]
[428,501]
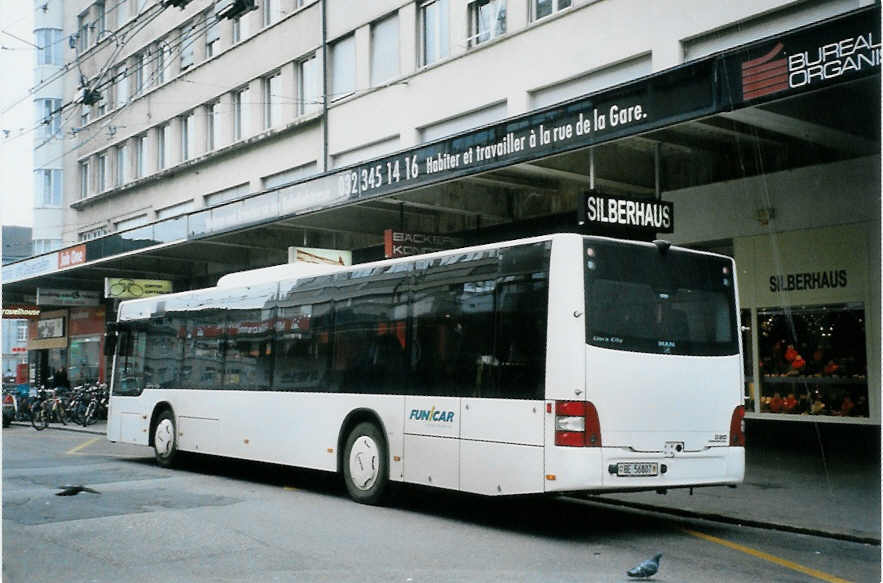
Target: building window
[100,20]
[21,331]
[122,174]
[161,144]
[139,74]
[240,118]
[47,188]
[83,31]
[130,223]
[175,210]
[84,179]
[49,115]
[188,136]
[240,29]
[343,67]
[272,100]
[308,90]
[212,36]
[85,110]
[543,8]
[384,50]
[140,151]
[213,116]
[187,39]
[122,86]
[49,46]
[159,62]
[100,173]
[272,11]
[46,245]
[487,20]
[433,31]
[92,234]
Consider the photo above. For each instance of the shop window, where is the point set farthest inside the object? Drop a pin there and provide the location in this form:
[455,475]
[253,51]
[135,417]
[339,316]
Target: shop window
[813,360]
[85,353]
[748,359]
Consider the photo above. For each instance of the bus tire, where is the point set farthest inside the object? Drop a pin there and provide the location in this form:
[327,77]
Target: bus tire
[365,464]
[165,441]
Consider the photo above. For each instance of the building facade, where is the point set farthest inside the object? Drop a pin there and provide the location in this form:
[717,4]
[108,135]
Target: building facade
[17,245]
[205,145]
[50,78]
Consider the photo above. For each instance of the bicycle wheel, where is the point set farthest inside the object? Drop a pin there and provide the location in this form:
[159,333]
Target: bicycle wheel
[89,416]
[40,417]
[60,412]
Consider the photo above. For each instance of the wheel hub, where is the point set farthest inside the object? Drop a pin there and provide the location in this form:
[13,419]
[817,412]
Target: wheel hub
[164,437]
[364,463]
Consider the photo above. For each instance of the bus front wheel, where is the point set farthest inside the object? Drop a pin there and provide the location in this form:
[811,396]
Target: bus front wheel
[164,441]
[365,465]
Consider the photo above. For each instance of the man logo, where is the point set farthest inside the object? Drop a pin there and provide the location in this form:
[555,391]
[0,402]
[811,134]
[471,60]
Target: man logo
[764,75]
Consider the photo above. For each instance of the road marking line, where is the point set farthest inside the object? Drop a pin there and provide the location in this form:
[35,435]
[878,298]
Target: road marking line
[87,443]
[768,557]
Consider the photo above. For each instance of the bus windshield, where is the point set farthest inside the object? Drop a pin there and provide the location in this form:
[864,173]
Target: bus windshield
[642,300]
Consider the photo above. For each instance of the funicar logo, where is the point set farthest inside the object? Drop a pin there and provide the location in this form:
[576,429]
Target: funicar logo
[432,415]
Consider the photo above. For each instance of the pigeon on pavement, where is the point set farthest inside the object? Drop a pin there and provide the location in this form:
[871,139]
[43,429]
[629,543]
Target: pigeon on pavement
[646,568]
[74,490]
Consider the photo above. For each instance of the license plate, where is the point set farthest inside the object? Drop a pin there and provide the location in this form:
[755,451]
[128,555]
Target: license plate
[637,469]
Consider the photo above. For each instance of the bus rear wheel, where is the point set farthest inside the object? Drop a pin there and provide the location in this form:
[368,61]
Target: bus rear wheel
[365,464]
[164,440]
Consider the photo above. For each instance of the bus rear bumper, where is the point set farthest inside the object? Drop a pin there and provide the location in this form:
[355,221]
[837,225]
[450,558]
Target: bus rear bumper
[606,469]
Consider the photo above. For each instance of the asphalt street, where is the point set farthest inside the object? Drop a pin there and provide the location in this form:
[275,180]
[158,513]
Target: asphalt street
[221,520]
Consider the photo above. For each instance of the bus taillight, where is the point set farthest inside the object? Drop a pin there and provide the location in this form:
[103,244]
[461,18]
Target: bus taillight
[737,427]
[577,424]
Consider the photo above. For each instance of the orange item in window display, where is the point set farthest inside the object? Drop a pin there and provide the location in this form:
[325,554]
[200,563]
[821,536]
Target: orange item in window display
[789,403]
[831,367]
[846,406]
[776,403]
[791,353]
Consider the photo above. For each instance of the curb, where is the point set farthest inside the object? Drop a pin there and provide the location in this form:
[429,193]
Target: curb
[72,428]
[739,521]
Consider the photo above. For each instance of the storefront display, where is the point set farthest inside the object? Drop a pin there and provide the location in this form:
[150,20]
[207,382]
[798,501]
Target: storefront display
[813,360]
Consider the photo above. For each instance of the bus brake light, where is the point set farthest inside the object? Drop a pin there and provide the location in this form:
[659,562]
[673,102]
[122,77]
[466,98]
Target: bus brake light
[737,427]
[577,424]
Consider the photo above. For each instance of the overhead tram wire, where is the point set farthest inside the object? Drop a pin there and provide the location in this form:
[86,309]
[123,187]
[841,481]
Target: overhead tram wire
[129,73]
[67,66]
[115,113]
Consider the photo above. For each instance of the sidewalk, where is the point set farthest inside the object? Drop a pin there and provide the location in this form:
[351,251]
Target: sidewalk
[99,428]
[836,496]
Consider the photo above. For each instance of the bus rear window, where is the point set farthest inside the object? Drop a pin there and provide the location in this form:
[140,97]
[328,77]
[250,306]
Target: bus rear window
[641,300]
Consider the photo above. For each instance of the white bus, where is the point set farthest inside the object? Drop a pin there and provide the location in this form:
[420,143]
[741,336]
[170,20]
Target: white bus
[553,364]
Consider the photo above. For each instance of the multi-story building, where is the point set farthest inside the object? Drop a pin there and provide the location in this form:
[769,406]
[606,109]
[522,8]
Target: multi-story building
[17,245]
[49,136]
[206,145]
